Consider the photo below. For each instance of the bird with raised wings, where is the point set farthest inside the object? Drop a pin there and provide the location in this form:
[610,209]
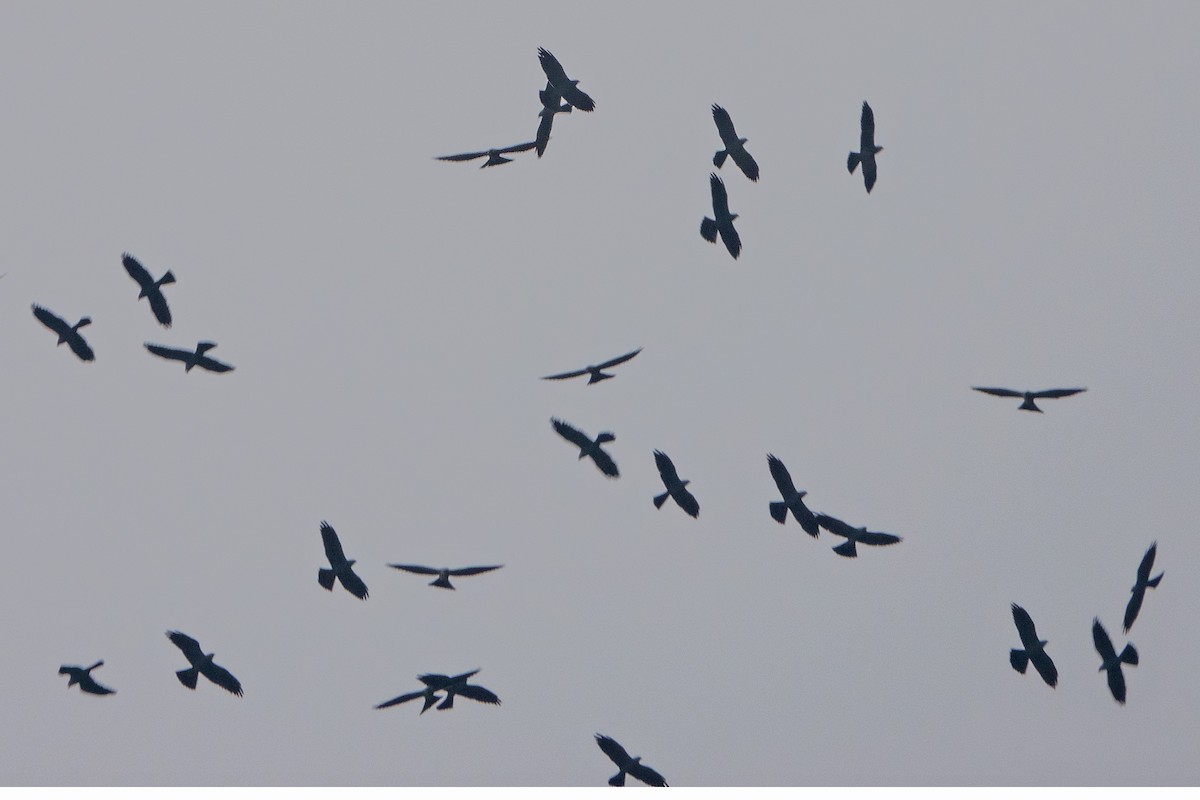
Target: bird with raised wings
[676,488]
[853,535]
[588,447]
[202,664]
[1033,649]
[450,684]
[627,764]
[551,105]
[494,156]
[793,500]
[1111,662]
[1144,582]
[1029,397]
[735,147]
[444,573]
[67,333]
[342,567]
[190,359]
[866,148]
[723,224]
[82,676]
[595,373]
[150,289]
[568,89]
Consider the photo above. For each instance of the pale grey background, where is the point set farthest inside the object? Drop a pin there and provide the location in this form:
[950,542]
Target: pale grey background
[1034,225]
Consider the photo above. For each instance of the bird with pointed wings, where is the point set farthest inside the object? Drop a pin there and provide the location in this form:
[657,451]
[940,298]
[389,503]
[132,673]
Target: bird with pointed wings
[450,684]
[1029,397]
[202,664]
[190,359]
[676,488]
[494,156]
[150,289]
[550,106]
[568,89]
[723,224]
[67,333]
[82,676]
[342,567]
[853,535]
[588,447]
[735,147]
[627,764]
[444,573]
[1144,582]
[1033,649]
[866,148]
[793,500]
[595,373]
[1111,662]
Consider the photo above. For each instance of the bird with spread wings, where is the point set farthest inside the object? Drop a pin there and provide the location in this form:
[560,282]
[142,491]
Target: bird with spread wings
[735,147]
[82,676]
[594,372]
[67,333]
[853,535]
[342,567]
[191,359]
[676,488]
[202,664]
[568,89]
[1029,397]
[1033,649]
[793,500]
[588,447]
[150,289]
[866,148]
[444,573]
[723,224]
[627,764]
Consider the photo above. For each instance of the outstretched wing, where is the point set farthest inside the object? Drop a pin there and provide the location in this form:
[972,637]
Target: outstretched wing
[733,242]
[80,347]
[354,584]
[1143,572]
[1116,683]
[565,375]
[835,525]
[1045,667]
[434,680]
[572,435]
[666,468]
[51,321]
[404,698]
[720,198]
[158,304]
[416,568]
[1058,392]
[783,479]
[462,156]
[222,677]
[478,693]
[1134,605]
[558,77]
[189,646]
[613,750]
[605,463]
[472,570]
[867,138]
[746,163]
[543,133]
[877,538]
[1025,627]
[169,352]
[1104,645]
[618,360]
[725,128]
[517,148]
[686,500]
[88,684]
[137,271]
[998,391]
[646,775]
[333,546]
[212,365]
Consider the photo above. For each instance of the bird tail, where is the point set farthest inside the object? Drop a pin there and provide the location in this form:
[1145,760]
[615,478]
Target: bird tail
[618,779]
[188,677]
[779,511]
[93,666]
[83,322]
[443,581]
[448,703]
[1153,582]
[1129,655]
[168,278]
[846,549]
[660,499]
[325,578]
[605,437]
[719,158]
[430,699]
[852,162]
[708,229]
[1029,405]
[1019,660]
[596,377]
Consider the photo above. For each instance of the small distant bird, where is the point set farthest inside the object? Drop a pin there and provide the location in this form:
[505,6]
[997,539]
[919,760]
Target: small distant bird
[1028,404]
[67,333]
[1112,662]
[594,372]
[202,664]
[792,499]
[676,488]
[852,534]
[451,685]
[550,106]
[723,224]
[343,568]
[494,156]
[567,88]
[445,573]
[82,676]
[734,147]
[151,289]
[627,764]
[1034,649]
[866,148]
[588,447]
[1144,582]
[190,359]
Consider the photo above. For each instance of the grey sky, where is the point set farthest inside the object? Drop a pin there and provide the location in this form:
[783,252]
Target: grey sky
[1034,224]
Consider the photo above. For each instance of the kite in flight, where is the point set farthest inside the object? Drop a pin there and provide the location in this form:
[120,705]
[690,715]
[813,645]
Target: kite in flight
[343,568]
[567,88]
[445,573]
[494,156]
[82,676]
[792,499]
[735,148]
[676,488]
[723,224]
[626,764]
[151,289]
[594,372]
[202,664]
[852,534]
[1028,404]
[866,149]
[1112,662]
[190,359]
[67,333]
[1144,582]
[588,447]
[1034,649]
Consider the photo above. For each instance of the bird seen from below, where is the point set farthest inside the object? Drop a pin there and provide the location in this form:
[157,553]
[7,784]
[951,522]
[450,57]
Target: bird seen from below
[150,289]
[866,148]
[594,373]
[1111,661]
[723,224]
[450,684]
[588,447]
[568,89]
[445,573]
[82,676]
[1028,404]
[1033,649]
[550,106]
[627,764]
[190,359]
[1144,582]
[494,156]
[342,567]
[853,535]
[202,664]
[676,488]
[792,499]
[735,147]
[67,333]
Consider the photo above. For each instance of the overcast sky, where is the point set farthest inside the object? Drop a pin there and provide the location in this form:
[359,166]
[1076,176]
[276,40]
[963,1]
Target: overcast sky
[1034,225]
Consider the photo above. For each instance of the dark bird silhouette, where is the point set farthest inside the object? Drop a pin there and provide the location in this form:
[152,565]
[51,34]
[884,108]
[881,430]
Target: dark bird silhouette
[343,568]
[451,685]
[594,372]
[494,156]
[866,149]
[567,88]
[676,488]
[202,664]
[852,534]
[1112,662]
[190,359]
[627,764]
[82,676]
[445,573]
[1034,649]
[67,333]
[550,106]
[150,289]
[735,148]
[792,500]
[1028,404]
[1144,582]
[588,447]
[723,224]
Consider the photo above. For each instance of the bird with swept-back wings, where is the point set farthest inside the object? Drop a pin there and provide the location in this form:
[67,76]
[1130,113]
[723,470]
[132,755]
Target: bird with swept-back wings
[1029,397]
[67,333]
[594,373]
[494,156]
[792,499]
[550,106]
[866,148]
[567,88]
[588,447]
[82,676]
[150,289]
[1033,649]
[202,664]
[1144,582]
[676,488]
[735,147]
[450,684]
[1111,661]
[444,573]
[853,535]
[723,224]
[342,567]
[627,764]
[190,359]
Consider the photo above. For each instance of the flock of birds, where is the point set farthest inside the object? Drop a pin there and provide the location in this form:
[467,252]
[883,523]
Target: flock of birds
[562,95]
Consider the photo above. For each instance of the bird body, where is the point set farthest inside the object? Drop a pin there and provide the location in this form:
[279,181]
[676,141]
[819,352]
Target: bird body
[82,676]
[866,148]
[202,664]
[595,372]
[676,488]
[735,147]
[567,88]
[67,333]
[1111,662]
[722,225]
[793,500]
[1033,649]
[589,448]
[342,568]
[627,764]
[1027,403]
[191,359]
[444,573]
[150,288]
[1144,582]
[853,535]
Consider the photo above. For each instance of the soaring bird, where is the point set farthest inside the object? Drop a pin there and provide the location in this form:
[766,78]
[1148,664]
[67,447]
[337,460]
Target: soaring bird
[190,359]
[445,573]
[450,684]
[1112,662]
[723,224]
[588,447]
[1144,582]
[1034,649]
[852,534]
[792,499]
[67,333]
[734,147]
[1028,404]
[151,289]
[594,372]
[550,106]
[343,568]
[202,664]
[627,764]
[567,88]
[82,676]
[676,488]
[494,156]
[866,149]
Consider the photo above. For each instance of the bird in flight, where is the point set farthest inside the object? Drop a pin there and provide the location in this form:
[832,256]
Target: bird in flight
[792,499]
[594,372]
[150,289]
[1112,662]
[676,488]
[1029,397]
[190,359]
[567,88]
[550,106]
[494,156]
[588,447]
[723,224]
[343,568]
[866,149]
[1033,649]
[1144,582]
[67,333]
[627,764]
[450,684]
[445,573]
[202,664]
[735,148]
[82,676]
[852,534]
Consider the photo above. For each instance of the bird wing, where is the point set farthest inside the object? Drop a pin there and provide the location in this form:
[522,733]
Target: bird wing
[998,392]
[835,525]
[543,133]
[404,698]
[434,680]
[88,684]
[666,469]
[158,304]
[333,546]
[550,98]
[1103,644]
[565,375]
[473,570]
[189,646]
[1134,605]
[1025,627]
[1143,573]
[572,435]
[416,568]
[605,463]
[613,750]
[867,139]
[733,242]
[720,198]
[517,148]
[80,347]
[646,775]
[745,162]
[869,172]
[1058,392]
[462,156]
[725,128]
[877,538]
[169,352]
[222,677]
[578,98]
[783,480]
[1045,667]
[554,70]
[212,365]
[612,362]
[354,584]
[137,271]
[51,321]
[478,693]
[686,500]
[1116,683]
